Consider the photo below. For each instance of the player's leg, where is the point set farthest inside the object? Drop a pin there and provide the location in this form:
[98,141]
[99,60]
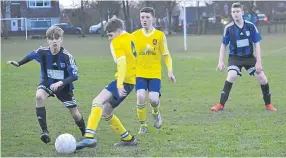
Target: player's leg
[141,87]
[126,138]
[233,72]
[154,99]
[68,99]
[94,119]
[42,94]
[262,80]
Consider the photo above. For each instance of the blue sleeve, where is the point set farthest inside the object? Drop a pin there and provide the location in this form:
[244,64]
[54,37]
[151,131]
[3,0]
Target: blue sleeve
[226,36]
[72,70]
[255,35]
[29,57]
[35,55]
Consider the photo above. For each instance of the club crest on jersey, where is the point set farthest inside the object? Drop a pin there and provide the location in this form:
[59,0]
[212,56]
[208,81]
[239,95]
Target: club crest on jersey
[247,33]
[154,41]
[63,65]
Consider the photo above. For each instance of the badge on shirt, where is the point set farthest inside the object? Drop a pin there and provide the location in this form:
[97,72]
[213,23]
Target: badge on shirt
[63,65]
[247,33]
[154,41]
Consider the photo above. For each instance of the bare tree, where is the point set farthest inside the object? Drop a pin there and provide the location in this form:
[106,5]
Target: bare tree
[82,19]
[4,25]
[126,7]
[170,5]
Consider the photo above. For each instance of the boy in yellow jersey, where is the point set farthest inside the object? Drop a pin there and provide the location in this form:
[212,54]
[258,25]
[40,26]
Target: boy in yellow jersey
[123,51]
[148,74]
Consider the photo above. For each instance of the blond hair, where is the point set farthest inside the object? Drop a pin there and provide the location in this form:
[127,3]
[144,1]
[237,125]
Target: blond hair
[54,32]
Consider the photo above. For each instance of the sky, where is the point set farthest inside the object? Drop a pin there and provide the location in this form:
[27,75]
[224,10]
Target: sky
[72,3]
[69,3]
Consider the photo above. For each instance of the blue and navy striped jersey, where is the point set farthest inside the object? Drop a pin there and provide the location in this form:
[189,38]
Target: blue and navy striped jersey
[241,40]
[54,68]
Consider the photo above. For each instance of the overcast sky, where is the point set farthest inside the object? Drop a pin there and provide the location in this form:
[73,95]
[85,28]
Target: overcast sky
[69,3]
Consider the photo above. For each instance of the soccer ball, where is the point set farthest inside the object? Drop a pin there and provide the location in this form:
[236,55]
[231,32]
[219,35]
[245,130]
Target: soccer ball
[65,144]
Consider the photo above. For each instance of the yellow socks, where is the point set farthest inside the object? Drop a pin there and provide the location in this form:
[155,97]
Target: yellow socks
[142,114]
[93,120]
[155,109]
[117,127]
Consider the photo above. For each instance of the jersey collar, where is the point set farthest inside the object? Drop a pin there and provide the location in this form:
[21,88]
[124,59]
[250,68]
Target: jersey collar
[148,34]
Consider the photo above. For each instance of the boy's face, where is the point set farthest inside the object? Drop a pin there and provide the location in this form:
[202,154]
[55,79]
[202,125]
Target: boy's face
[146,20]
[112,35]
[236,14]
[55,43]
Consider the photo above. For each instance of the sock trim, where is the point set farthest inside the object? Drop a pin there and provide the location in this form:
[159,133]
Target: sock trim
[107,118]
[96,105]
[90,131]
[124,135]
[142,106]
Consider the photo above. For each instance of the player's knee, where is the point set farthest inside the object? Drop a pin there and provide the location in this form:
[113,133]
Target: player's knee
[154,100]
[107,110]
[261,78]
[231,76]
[40,97]
[97,101]
[140,98]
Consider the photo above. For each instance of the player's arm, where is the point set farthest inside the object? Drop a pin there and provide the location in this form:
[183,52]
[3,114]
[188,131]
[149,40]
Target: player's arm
[72,70]
[225,42]
[167,58]
[256,38]
[120,60]
[258,52]
[165,52]
[222,50]
[29,57]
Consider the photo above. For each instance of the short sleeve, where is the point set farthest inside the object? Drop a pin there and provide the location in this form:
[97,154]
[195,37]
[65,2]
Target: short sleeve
[255,35]
[226,36]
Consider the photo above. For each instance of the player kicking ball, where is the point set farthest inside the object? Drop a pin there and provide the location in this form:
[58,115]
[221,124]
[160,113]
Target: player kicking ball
[124,53]
[149,69]
[242,36]
[58,71]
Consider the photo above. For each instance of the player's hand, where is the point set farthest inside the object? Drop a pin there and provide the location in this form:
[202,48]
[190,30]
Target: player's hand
[54,87]
[13,63]
[220,66]
[171,76]
[258,67]
[122,92]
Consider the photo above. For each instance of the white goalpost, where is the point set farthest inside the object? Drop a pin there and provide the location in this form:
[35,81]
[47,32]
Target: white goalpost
[14,25]
[184,23]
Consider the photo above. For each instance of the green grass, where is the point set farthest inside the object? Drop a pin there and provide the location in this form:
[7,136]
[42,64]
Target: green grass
[244,128]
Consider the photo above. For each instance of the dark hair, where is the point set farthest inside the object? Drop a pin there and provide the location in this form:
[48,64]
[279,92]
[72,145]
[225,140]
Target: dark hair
[114,24]
[237,5]
[148,10]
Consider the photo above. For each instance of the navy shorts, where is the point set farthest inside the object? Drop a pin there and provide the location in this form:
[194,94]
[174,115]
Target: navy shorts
[112,87]
[64,95]
[150,84]
[237,63]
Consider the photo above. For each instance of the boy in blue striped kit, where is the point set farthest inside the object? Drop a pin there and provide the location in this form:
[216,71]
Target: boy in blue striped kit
[242,36]
[58,71]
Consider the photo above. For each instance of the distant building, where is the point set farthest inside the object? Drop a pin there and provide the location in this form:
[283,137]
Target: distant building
[40,14]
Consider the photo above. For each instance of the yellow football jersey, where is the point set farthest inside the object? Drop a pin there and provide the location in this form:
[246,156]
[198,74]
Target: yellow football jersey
[124,46]
[149,63]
